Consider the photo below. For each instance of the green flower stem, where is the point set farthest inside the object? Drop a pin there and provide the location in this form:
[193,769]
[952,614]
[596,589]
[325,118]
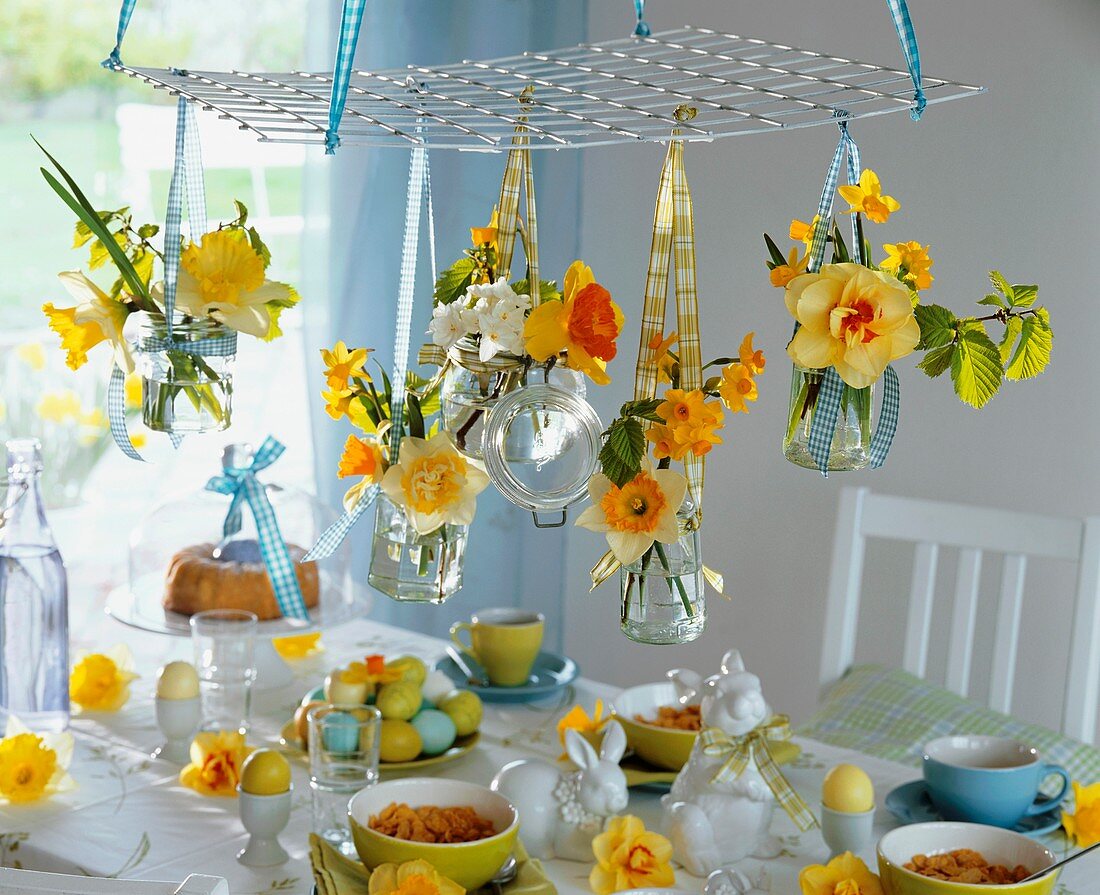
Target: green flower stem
[676,578]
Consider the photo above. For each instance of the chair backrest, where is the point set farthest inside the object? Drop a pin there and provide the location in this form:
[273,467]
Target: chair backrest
[30,882]
[973,531]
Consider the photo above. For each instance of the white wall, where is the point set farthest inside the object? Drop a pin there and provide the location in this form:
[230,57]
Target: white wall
[1005,180]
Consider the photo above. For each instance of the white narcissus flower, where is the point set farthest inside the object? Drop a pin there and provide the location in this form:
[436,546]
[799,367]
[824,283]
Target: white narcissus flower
[449,324]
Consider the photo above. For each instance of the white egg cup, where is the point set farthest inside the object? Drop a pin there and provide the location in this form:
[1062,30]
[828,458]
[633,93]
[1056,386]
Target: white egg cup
[178,720]
[265,817]
[846,831]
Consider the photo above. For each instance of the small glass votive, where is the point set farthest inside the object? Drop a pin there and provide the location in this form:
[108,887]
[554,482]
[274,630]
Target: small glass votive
[343,759]
[224,641]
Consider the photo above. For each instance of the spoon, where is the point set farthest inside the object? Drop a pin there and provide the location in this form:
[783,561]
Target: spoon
[1059,864]
[478,680]
[505,875]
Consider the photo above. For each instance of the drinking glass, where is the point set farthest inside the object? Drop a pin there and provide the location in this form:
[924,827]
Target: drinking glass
[343,759]
[224,642]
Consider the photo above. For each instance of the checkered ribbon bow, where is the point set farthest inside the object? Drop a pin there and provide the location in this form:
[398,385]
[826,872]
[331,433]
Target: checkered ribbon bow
[241,484]
[738,751]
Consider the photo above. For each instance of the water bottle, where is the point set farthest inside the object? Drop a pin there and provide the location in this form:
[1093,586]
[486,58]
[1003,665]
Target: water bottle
[34,605]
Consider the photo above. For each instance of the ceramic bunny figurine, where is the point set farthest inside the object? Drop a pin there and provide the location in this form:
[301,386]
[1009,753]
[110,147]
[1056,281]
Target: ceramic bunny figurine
[560,810]
[715,824]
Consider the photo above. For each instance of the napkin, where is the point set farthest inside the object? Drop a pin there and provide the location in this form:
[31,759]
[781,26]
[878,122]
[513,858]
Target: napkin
[335,874]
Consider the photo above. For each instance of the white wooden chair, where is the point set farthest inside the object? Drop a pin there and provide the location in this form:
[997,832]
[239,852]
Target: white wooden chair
[973,531]
[30,882]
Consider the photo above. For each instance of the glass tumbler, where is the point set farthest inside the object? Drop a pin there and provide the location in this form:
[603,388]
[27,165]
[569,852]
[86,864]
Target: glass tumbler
[224,641]
[343,759]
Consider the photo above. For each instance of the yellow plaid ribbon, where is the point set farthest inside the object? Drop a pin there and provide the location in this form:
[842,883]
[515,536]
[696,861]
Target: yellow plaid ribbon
[753,746]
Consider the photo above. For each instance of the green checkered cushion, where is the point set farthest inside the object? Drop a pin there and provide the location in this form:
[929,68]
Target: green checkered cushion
[891,714]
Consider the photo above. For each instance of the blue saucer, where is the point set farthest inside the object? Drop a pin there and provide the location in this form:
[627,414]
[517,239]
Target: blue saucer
[911,804]
[549,674]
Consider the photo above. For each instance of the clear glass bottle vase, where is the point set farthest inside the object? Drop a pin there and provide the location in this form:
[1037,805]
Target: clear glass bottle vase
[851,447]
[411,567]
[662,592]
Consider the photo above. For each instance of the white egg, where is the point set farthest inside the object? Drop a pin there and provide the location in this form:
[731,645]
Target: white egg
[436,686]
[177,680]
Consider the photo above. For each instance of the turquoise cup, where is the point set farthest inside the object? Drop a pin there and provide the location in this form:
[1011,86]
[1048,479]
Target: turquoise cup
[989,780]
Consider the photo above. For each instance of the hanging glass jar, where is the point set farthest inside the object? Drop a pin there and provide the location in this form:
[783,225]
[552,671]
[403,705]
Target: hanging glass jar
[851,448]
[411,567]
[472,387]
[184,393]
[662,592]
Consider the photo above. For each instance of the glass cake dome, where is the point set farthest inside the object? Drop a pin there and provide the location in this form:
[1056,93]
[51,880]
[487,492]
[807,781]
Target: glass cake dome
[179,562]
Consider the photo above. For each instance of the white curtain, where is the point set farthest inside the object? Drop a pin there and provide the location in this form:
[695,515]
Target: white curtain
[352,267]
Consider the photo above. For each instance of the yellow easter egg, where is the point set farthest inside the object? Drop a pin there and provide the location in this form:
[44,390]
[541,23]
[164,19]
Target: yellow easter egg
[341,692]
[411,668]
[464,707]
[400,700]
[177,680]
[265,773]
[399,741]
[847,788]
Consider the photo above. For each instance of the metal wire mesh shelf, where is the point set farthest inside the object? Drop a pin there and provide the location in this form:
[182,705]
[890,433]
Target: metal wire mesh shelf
[619,91]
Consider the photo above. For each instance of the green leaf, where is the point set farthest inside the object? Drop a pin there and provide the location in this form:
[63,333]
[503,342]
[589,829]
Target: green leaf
[148,231]
[453,281]
[1001,284]
[1023,296]
[275,309]
[994,300]
[1013,327]
[259,246]
[429,400]
[773,250]
[242,212]
[415,422]
[548,289]
[81,234]
[937,326]
[1032,352]
[938,360]
[99,254]
[646,409]
[976,368]
[840,247]
[622,452]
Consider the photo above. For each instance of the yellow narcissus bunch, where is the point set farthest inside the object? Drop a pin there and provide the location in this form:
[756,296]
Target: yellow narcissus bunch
[691,425]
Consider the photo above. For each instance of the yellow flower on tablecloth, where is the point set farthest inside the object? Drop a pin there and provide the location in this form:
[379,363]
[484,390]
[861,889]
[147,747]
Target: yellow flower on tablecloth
[854,319]
[59,406]
[411,878]
[628,856]
[662,356]
[33,766]
[782,274]
[434,483]
[640,512]
[1083,826]
[579,720]
[216,759]
[843,875]
[96,318]
[802,232]
[867,197]
[737,387]
[32,354]
[298,646]
[342,364]
[909,261]
[100,682]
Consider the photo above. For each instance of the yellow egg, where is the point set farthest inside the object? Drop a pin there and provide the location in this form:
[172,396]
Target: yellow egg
[340,692]
[177,680]
[265,773]
[399,741]
[847,788]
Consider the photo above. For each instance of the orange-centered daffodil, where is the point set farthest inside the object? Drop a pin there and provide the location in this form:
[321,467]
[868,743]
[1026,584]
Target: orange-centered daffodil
[867,198]
[910,262]
[843,875]
[216,759]
[630,857]
[411,878]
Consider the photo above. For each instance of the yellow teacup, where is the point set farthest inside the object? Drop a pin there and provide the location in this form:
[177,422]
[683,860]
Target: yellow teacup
[504,642]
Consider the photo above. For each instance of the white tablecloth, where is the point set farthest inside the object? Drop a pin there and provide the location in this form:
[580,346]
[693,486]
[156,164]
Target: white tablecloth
[131,818]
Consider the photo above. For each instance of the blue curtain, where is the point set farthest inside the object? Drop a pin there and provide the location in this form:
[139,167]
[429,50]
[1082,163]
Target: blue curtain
[508,561]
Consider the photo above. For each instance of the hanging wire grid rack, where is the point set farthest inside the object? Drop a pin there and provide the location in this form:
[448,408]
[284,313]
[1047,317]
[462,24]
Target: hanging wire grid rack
[618,91]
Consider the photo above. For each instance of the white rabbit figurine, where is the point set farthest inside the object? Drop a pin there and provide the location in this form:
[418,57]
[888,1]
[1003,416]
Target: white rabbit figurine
[712,825]
[560,811]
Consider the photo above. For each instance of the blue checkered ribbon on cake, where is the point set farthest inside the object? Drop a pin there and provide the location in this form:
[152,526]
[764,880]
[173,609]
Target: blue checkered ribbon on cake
[241,484]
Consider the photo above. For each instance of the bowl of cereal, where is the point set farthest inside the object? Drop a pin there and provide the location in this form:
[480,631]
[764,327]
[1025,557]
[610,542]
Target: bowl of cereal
[658,728]
[962,859]
[465,831]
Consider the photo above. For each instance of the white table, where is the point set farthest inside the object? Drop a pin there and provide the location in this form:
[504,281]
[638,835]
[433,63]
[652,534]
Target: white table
[131,818]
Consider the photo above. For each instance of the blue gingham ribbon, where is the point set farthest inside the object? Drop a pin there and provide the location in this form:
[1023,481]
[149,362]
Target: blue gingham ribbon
[641,29]
[908,39]
[243,487]
[114,60]
[350,22]
[419,189]
[846,146]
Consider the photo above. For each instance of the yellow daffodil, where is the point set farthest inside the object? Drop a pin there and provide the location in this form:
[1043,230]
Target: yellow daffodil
[96,318]
[751,357]
[372,670]
[804,233]
[585,323]
[1083,826]
[737,387]
[579,720]
[298,646]
[411,878]
[628,856]
[33,766]
[362,456]
[843,875]
[640,512]
[692,421]
[132,390]
[662,355]
[32,354]
[100,682]
[435,483]
[338,402]
[486,235]
[867,197]
[909,261]
[223,277]
[59,406]
[341,365]
[665,443]
[854,319]
[782,274]
[216,759]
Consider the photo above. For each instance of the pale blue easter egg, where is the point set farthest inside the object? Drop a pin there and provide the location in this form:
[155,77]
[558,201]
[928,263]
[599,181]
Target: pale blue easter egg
[436,729]
[340,732]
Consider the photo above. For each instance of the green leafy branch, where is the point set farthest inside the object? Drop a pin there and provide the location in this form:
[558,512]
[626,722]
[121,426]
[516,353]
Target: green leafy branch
[624,440]
[978,364]
[422,401]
